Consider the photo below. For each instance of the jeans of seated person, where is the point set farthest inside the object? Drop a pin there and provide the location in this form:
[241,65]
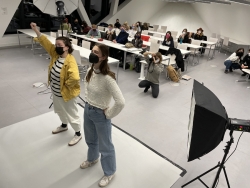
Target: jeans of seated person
[228,64]
[235,66]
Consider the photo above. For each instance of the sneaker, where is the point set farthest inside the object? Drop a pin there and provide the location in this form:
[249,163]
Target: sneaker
[226,71]
[105,180]
[87,164]
[231,70]
[75,140]
[146,89]
[59,129]
[244,74]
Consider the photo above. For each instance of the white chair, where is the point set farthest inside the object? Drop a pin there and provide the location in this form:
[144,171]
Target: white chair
[73,41]
[175,44]
[152,40]
[193,51]
[160,31]
[100,28]
[82,65]
[151,29]
[157,35]
[213,35]
[154,47]
[53,34]
[65,33]
[211,47]
[174,33]
[164,28]
[145,32]
[86,44]
[225,44]
[155,27]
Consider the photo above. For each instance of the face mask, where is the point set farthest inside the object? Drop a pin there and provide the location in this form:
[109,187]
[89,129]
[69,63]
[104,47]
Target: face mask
[122,30]
[133,27]
[199,32]
[59,50]
[94,29]
[183,32]
[76,22]
[167,35]
[110,29]
[239,53]
[93,58]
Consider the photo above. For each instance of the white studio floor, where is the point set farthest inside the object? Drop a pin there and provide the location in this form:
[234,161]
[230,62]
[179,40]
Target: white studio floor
[159,123]
[36,158]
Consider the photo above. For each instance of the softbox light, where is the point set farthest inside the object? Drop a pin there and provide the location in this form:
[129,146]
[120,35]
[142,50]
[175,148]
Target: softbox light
[207,122]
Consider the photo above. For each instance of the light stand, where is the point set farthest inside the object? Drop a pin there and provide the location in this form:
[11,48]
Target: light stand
[61,13]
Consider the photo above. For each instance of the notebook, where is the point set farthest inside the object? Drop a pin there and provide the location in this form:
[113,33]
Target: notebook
[186,77]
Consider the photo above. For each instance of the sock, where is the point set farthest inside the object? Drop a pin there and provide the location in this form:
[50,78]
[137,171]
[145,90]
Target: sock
[64,125]
[78,133]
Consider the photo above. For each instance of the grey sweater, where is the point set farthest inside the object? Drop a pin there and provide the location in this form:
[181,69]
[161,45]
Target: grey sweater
[154,71]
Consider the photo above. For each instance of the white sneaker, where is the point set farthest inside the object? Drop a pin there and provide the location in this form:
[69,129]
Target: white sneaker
[105,180]
[87,164]
[75,140]
[59,129]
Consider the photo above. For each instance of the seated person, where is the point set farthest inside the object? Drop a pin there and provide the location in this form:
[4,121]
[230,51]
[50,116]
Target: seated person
[200,36]
[94,32]
[76,26]
[168,40]
[110,33]
[144,26]
[133,31]
[66,25]
[137,41]
[232,62]
[85,27]
[246,63]
[154,69]
[138,25]
[122,38]
[117,24]
[184,37]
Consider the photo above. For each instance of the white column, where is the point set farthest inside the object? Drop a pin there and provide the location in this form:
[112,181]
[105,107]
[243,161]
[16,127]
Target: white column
[83,14]
[114,7]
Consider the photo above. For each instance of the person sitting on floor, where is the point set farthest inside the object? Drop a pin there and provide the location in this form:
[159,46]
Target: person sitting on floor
[232,62]
[246,63]
[154,69]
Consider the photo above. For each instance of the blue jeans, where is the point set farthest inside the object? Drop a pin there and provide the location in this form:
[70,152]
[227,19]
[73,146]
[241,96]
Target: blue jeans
[97,131]
[228,64]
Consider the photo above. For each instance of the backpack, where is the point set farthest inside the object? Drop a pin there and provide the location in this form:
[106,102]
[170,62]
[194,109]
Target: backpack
[137,64]
[173,74]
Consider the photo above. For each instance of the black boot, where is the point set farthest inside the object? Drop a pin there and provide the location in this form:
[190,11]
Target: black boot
[146,89]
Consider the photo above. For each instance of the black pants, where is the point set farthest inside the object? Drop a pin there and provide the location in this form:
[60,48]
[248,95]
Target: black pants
[147,84]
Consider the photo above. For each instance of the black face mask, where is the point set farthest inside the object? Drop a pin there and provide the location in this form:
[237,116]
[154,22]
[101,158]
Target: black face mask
[93,58]
[239,54]
[59,50]
[94,29]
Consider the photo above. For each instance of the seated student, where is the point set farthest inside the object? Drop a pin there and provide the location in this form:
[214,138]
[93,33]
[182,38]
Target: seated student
[138,25]
[200,36]
[66,25]
[137,41]
[184,38]
[144,26]
[246,63]
[110,33]
[85,27]
[117,24]
[122,38]
[168,41]
[133,31]
[94,32]
[76,26]
[232,62]
[154,69]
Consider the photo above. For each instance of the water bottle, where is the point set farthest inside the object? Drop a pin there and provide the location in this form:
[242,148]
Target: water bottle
[180,40]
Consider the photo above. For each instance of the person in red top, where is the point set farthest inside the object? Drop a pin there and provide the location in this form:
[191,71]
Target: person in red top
[85,27]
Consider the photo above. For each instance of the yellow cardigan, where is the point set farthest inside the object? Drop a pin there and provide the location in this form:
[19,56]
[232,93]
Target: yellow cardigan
[69,76]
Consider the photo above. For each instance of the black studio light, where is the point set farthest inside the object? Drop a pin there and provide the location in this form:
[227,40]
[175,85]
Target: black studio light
[60,8]
[208,122]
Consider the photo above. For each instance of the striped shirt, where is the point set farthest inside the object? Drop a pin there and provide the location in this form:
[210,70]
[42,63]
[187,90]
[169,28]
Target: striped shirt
[55,76]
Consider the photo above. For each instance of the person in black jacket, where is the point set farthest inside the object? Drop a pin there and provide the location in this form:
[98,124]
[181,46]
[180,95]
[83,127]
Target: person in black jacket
[179,58]
[168,40]
[117,24]
[246,63]
[184,37]
[137,41]
[76,26]
[200,36]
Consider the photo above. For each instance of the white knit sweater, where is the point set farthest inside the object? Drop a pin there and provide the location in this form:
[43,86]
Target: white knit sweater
[98,93]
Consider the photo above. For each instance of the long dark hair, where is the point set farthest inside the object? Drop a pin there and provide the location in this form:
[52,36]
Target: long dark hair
[137,34]
[237,52]
[67,43]
[169,38]
[104,67]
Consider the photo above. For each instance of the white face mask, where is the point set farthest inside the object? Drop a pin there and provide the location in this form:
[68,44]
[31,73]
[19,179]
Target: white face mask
[184,33]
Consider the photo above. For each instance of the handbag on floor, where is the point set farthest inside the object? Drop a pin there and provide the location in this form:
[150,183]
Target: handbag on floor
[173,74]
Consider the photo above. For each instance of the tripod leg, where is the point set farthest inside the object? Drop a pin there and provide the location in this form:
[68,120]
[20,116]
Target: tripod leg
[198,177]
[225,173]
[81,99]
[51,105]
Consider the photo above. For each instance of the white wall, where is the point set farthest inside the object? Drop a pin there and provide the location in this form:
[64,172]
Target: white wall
[137,10]
[177,16]
[227,20]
